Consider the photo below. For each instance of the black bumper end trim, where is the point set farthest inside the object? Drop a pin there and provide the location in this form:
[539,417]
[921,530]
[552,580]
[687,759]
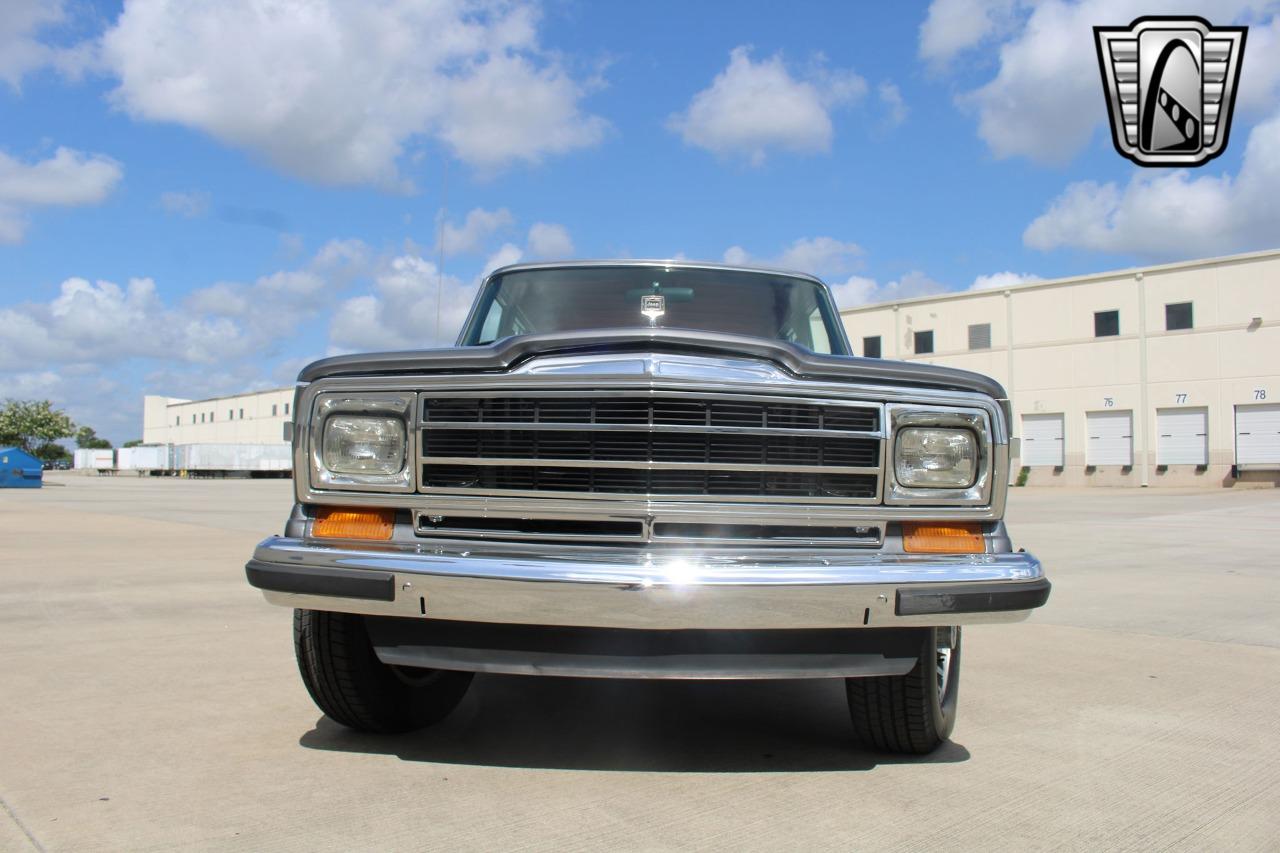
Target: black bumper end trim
[972,598]
[342,583]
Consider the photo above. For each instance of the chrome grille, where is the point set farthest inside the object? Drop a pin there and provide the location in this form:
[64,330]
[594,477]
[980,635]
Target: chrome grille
[657,445]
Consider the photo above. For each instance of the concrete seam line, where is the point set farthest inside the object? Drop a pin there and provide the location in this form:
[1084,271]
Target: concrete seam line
[17,820]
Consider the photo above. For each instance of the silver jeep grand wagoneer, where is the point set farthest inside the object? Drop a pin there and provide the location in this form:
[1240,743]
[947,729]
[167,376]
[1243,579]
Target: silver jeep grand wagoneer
[645,469]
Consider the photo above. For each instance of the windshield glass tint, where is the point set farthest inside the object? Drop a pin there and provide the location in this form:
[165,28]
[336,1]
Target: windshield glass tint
[763,305]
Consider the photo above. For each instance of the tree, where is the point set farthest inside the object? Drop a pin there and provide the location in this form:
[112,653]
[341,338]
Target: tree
[87,438]
[133,442]
[51,452]
[33,423]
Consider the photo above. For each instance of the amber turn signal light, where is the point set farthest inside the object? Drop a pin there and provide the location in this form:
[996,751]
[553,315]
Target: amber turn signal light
[347,523]
[934,538]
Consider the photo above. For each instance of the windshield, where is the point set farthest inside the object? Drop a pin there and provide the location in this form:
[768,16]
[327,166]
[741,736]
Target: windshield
[760,304]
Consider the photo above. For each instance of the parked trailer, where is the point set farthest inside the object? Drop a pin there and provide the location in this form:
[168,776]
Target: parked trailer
[99,460]
[153,459]
[221,459]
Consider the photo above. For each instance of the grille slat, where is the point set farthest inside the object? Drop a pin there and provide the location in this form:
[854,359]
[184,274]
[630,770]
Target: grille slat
[560,444]
[658,410]
[651,447]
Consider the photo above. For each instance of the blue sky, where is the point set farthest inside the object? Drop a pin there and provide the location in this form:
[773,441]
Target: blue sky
[198,200]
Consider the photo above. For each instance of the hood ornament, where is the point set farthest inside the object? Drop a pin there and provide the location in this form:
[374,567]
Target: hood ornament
[653,306]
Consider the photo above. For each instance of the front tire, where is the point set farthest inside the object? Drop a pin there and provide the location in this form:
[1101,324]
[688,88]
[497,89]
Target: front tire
[355,689]
[912,713]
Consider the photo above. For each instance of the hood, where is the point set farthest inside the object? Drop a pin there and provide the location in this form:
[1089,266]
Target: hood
[510,353]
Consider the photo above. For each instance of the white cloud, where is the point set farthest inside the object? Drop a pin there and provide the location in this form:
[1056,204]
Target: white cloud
[508,109]
[69,178]
[549,240]
[1260,71]
[895,107]
[475,229]
[401,311]
[506,254]
[223,299]
[859,290]
[752,107]
[13,226]
[820,256]
[335,92]
[1045,101]
[105,324]
[25,30]
[1166,215]
[34,384]
[189,205]
[952,26]
[342,258]
[998,280]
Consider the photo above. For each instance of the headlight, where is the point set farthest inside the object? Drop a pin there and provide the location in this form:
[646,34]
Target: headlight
[355,444]
[935,458]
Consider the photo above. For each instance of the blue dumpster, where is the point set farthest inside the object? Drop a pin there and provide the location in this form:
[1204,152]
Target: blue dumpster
[19,469]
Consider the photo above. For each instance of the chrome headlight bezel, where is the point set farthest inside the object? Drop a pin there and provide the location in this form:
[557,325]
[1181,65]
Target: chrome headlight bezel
[900,417]
[375,405]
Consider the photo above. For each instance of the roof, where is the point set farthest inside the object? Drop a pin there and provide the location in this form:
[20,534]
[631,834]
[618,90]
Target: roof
[1246,257]
[669,263]
[180,402]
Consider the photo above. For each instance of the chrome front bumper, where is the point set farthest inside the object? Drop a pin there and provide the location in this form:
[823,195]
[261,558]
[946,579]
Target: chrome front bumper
[649,589]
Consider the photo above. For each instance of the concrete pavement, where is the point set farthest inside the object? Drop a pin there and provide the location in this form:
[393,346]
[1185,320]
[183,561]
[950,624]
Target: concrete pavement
[149,700]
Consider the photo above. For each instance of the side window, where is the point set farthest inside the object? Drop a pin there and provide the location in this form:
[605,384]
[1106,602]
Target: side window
[492,323]
[818,340]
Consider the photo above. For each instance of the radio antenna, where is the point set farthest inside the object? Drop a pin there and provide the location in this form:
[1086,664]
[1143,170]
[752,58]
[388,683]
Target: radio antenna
[444,209]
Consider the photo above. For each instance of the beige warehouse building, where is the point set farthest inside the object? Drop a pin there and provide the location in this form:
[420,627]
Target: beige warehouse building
[254,418]
[1161,375]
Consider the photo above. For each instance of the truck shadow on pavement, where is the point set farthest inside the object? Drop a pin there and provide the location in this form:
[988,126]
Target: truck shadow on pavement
[672,726]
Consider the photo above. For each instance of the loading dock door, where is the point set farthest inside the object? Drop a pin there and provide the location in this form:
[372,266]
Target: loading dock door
[1258,435]
[1182,436]
[1042,440]
[1109,438]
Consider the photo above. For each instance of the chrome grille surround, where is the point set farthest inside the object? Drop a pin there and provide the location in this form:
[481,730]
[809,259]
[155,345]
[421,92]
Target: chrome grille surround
[700,378]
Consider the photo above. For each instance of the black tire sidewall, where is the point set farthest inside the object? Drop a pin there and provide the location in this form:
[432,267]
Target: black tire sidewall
[943,705]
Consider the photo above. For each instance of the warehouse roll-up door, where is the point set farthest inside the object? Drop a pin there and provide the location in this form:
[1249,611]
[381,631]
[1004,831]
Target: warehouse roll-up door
[1042,440]
[1182,436]
[1258,435]
[1109,438]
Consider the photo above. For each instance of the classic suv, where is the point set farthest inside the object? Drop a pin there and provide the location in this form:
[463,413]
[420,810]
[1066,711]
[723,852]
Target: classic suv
[645,469]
